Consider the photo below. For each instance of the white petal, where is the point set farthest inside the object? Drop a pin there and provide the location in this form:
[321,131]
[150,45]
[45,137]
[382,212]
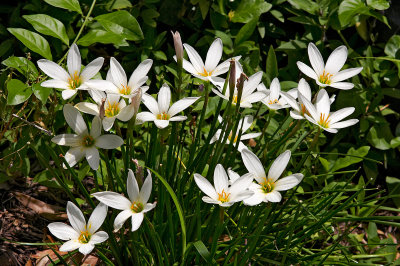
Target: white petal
[345,74]
[53,70]
[74,60]
[117,73]
[241,184]
[181,105]
[220,179]
[88,108]
[342,85]
[137,219]
[70,245]
[341,114]
[97,218]
[256,199]
[296,115]
[288,182]
[290,100]
[92,69]
[308,71]
[97,96]
[254,97]
[178,118]
[247,122]
[336,60]
[251,84]
[310,107]
[304,89]
[55,83]
[194,58]
[146,188]
[150,103]
[273,196]
[188,66]
[95,131]
[113,199]
[101,85]
[220,94]
[149,206]
[132,186]
[205,186]
[98,238]
[224,66]
[315,58]
[279,165]
[275,89]
[74,155]
[63,231]
[164,98]
[344,124]
[93,158]
[233,176]
[140,72]
[145,116]
[121,218]
[126,113]
[209,200]
[253,165]
[108,122]
[330,130]
[75,217]
[74,119]
[242,195]
[214,54]
[85,249]
[161,123]
[250,136]
[67,140]
[323,104]
[109,141]
[68,93]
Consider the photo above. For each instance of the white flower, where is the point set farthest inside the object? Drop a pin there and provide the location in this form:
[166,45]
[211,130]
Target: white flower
[329,74]
[196,66]
[79,234]
[114,108]
[244,125]
[268,187]
[321,116]
[76,79]
[161,112]
[223,194]
[298,106]
[84,143]
[122,87]
[134,207]
[249,95]
[274,100]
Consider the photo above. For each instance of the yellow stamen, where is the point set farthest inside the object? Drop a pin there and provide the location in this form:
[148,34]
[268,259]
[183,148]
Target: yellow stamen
[125,90]
[74,81]
[325,78]
[273,101]
[136,207]
[88,141]
[223,196]
[112,109]
[84,237]
[268,185]
[230,138]
[205,73]
[324,121]
[163,116]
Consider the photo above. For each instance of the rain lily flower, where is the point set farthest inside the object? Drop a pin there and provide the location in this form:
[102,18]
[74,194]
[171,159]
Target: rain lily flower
[84,143]
[329,74]
[249,95]
[321,116]
[122,87]
[196,66]
[75,79]
[114,108]
[298,106]
[268,187]
[223,194]
[244,125]
[274,101]
[134,207]
[161,112]
[80,234]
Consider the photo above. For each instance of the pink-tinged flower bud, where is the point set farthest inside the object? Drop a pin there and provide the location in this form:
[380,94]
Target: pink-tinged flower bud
[178,46]
[232,77]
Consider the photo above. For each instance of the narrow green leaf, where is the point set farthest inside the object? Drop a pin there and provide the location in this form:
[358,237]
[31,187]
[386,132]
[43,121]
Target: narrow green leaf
[203,251]
[72,5]
[272,66]
[245,32]
[18,92]
[33,41]
[48,25]
[121,23]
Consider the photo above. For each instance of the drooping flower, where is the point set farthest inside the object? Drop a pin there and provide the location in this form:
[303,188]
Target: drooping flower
[329,74]
[268,187]
[114,108]
[160,111]
[274,100]
[243,125]
[298,106]
[122,87]
[75,79]
[321,116]
[83,143]
[196,66]
[222,193]
[80,234]
[135,207]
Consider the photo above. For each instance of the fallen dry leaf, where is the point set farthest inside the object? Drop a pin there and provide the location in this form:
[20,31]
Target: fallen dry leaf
[42,258]
[48,211]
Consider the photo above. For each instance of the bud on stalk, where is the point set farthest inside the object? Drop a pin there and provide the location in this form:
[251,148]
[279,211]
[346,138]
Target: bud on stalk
[178,47]
[232,77]
[136,99]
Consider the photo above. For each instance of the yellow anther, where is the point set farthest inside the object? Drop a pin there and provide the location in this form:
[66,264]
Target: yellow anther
[268,185]
[136,207]
[112,109]
[163,116]
[325,78]
[324,121]
[223,196]
[74,81]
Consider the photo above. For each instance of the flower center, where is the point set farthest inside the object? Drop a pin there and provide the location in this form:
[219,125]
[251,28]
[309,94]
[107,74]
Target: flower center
[273,101]
[268,185]
[223,196]
[125,90]
[84,237]
[324,121]
[234,99]
[304,110]
[230,138]
[112,109]
[136,207]
[325,78]
[88,141]
[74,81]
[163,116]
[205,73]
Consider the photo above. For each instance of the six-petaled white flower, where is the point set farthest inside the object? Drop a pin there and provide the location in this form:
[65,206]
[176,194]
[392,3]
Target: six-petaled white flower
[80,234]
[161,112]
[274,101]
[222,193]
[329,74]
[135,207]
[268,187]
[321,116]
[83,143]
[75,79]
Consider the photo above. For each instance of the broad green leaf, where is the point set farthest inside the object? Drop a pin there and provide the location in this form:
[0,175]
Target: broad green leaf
[6,46]
[118,4]
[32,41]
[23,65]
[393,185]
[271,70]
[249,10]
[348,9]
[376,138]
[18,92]
[101,36]
[121,23]
[394,143]
[42,93]
[245,32]
[349,160]
[160,55]
[379,4]
[306,5]
[372,231]
[392,46]
[292,45]
[72,5]
[48,25]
